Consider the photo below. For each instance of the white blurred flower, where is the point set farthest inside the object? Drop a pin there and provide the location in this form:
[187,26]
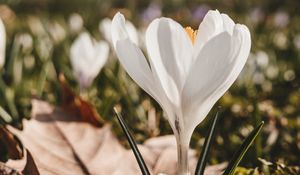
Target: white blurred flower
[272,72]
[189,70]
[199,12]
[236,108]
[258,78]
[262,59]
[289,75]
[281,19]
[2,43]
[105,29]
[280,40]
[87,58]
[297,41]
[151,12]
[257,15]
[75,23]
[267,86]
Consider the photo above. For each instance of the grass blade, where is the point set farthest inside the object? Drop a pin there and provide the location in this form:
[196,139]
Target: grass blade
[206,147]
[239,154]
[133,145]
[5,116]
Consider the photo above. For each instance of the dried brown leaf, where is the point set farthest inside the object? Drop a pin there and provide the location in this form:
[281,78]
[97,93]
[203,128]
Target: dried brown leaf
[63,144]
[20,160]
[14,151]
[75,105]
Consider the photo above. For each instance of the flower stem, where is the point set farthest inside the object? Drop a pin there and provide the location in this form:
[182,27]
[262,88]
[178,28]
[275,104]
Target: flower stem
[182,153]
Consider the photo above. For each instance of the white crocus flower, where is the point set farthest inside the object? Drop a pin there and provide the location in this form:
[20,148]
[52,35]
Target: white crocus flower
[105,29]
[87,58]
[188,70]
[2,43]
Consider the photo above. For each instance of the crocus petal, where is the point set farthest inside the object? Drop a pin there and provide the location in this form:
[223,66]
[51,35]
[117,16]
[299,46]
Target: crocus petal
[135,64]
[2,43]
[204,73]
[211,26]
[217,67]
[169,49]
[228,24]
[105,29]
[118,29]
[131,57]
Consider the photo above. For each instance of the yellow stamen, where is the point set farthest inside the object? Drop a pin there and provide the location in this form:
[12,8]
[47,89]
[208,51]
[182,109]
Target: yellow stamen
[191,33]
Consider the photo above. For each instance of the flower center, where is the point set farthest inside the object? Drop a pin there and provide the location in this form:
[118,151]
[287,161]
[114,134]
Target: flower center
[191,33]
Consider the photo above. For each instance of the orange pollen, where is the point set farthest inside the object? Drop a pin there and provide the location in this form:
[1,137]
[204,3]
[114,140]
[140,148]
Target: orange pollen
[191,33]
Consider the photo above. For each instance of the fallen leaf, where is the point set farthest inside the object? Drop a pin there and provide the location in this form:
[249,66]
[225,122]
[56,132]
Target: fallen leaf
[9,141]
[5,170]
[25,165]
[20,160]
[215,169]
[63,144]
[75,105]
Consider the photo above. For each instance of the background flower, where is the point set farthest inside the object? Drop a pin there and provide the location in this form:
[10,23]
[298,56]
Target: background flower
[87,58]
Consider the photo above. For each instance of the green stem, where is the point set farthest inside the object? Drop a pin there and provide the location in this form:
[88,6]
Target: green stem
[10,98]
[183,167]
[6,117]
[43,78]
[9,95]
[258,140]
[182,156]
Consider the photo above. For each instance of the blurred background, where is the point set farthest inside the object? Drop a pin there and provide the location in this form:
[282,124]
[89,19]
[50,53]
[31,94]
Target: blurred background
[40,34]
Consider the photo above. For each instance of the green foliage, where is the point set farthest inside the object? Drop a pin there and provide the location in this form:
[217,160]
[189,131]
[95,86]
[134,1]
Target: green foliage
[133,145]
[278,168]
[206,147]
[239,154]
